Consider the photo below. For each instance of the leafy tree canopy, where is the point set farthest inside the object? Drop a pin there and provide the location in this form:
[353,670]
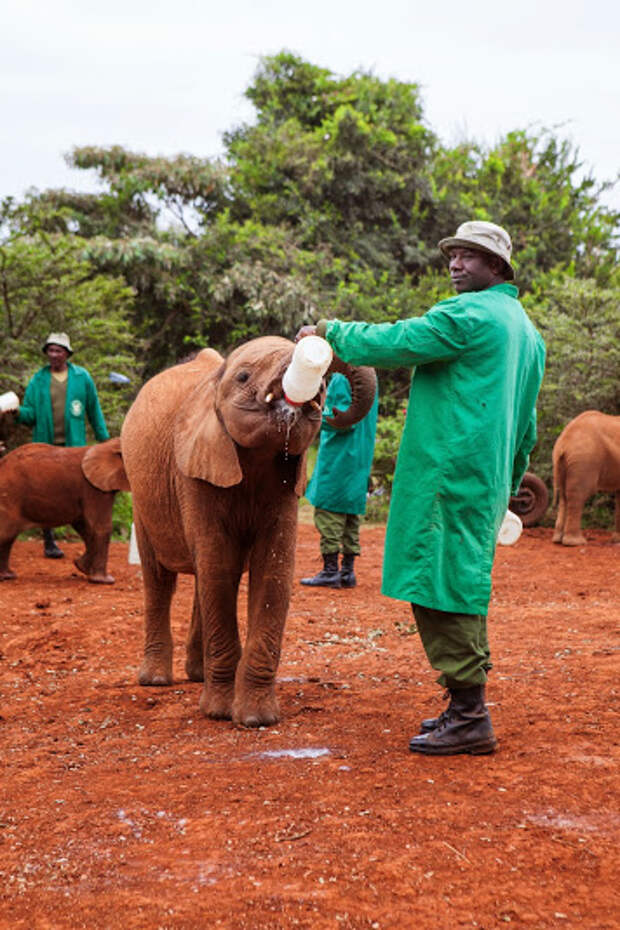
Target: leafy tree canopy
[329,203]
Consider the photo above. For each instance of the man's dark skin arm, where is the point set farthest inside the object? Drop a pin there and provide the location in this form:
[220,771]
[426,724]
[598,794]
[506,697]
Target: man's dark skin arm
[306,331]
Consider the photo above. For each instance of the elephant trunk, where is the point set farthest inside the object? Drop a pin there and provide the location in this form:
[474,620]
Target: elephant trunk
[363,381]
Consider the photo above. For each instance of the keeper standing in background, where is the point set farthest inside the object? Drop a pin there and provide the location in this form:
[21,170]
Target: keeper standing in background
[339,485]
[58,399]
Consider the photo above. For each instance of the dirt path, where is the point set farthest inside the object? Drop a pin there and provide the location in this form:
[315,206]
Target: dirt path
[121,807]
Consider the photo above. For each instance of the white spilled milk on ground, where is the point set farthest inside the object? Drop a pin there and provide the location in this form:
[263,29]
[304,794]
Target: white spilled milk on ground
[510,530]
[302,379]
[134,555]
[8,401]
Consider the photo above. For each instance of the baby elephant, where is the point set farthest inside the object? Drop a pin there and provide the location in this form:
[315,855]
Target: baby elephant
[586,459]
[43,485]
[216,457]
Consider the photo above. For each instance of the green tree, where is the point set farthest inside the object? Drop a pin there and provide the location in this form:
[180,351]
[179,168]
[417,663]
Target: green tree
[331,203]
[533,184]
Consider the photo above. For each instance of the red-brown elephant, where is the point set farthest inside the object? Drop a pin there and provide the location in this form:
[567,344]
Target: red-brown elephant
[216,462]
[44,485]
[586,459]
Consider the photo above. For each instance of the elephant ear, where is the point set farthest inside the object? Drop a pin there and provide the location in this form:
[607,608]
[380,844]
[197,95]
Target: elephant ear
[202,446]
[103,466]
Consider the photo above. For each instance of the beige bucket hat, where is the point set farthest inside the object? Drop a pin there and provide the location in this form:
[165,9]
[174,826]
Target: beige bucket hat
[487,237]
[58,339]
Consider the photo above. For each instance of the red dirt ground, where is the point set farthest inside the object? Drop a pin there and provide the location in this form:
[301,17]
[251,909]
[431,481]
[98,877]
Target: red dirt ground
[121,806]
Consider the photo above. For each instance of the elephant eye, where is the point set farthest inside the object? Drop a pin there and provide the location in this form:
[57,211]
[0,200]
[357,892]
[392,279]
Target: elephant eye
[242,377]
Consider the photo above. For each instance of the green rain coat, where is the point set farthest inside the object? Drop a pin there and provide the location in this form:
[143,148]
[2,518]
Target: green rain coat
[470,426]
[340,478]
[82,401]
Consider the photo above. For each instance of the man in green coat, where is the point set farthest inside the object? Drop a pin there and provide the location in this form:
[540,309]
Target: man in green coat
[338,486]
[471,424]
[57,400]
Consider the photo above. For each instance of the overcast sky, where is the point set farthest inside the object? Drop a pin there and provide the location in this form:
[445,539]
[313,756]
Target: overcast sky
[163,77]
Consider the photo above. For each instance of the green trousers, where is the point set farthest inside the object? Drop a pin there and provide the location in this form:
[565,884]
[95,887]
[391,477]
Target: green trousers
[456,645]
[340,532]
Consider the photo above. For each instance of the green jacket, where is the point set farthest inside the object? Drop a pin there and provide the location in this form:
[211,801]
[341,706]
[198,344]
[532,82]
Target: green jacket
[82,401]
[470,426]
[340,478]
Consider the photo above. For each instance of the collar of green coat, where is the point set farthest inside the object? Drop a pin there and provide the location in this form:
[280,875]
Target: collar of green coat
[505,288]
[70,366]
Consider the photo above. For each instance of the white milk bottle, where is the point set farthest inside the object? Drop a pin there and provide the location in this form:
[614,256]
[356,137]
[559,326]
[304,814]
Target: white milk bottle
[8,401]
[302,379]
[510,530]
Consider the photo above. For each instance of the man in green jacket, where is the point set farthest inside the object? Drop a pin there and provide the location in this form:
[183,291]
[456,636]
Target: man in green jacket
[338,487]
[471,424]
[57,400]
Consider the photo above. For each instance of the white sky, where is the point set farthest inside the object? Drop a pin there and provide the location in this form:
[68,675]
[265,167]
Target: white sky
[163,77]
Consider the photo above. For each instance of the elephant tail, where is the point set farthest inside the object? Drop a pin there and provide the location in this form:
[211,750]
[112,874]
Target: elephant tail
[559,475]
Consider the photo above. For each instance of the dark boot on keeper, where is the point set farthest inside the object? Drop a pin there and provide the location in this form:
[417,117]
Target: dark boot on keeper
[50,549]
[466,728]
[347,575]
[329,576]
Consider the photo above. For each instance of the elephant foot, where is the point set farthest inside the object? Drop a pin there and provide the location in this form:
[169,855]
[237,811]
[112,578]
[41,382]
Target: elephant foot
[256,710]
[101,579]
[6,574]
[573,540]
[557,537]
[615,537]
[155,672]
[81,563]
[216,702]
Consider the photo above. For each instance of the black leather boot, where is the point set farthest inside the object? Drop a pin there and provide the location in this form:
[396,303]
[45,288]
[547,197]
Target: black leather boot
[50,549]
[329,576]
[466,728]
[347,575]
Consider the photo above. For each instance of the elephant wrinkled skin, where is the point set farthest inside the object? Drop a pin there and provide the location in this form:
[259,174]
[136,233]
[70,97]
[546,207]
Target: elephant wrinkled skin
[216,461]
[586,459]
[44,485]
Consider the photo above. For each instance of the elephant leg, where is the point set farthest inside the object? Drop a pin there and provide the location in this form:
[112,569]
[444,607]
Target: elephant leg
[214,624]
[558,531]
[194,662]
[616,534]
[100,544]
[5,551]
[271,577]
[94,560]
[159,584]
[82,562]
[577,493]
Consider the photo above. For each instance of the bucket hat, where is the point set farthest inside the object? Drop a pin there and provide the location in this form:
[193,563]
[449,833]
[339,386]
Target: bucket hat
[58,339]
[487,237]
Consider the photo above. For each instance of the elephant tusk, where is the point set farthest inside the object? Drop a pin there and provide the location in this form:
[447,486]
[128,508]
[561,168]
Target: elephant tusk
[315,406]
[269,398]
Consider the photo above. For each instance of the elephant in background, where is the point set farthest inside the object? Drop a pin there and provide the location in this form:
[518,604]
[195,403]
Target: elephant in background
[586,459]
[216,460]
[48,486]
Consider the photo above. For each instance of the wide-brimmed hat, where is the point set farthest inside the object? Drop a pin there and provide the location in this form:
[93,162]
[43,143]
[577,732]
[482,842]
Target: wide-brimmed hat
[487,237]
[58,339]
